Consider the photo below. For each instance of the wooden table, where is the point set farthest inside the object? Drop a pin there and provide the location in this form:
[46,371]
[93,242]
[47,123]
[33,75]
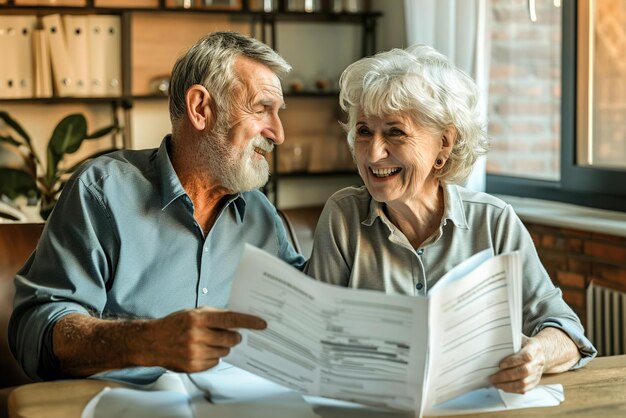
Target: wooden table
[595,391]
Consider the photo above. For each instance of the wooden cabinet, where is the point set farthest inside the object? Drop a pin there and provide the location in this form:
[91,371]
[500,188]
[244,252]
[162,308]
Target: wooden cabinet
[154,33]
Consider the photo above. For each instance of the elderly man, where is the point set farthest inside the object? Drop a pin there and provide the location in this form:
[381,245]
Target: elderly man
[135,264]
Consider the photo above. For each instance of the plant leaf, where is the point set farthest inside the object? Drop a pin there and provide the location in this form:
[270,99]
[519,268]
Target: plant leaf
[16,126]
[66,139]
[10,140]
[90,157]
[102,132]
[16,182]
[16,149]
[47,210]
[51,171]
[68,135]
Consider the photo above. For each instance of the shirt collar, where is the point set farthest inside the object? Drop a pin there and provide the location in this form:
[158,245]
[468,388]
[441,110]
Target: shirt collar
[239,201]
[375,211]
[172,189]
[453,209]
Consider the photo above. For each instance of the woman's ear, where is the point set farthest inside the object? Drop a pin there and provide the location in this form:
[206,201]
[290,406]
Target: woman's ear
[199,105]
[448,139]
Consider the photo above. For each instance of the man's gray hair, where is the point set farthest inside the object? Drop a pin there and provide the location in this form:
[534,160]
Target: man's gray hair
[209,62]
[422,83]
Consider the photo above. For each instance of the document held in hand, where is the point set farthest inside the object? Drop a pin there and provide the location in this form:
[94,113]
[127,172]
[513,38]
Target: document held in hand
[403,352]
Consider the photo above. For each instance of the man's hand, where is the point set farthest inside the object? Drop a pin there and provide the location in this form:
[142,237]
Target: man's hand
[185,341]
[194,340]
[521,371]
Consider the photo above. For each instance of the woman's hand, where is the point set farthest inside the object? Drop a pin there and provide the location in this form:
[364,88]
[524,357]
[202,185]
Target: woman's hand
[521,371]
[550,351]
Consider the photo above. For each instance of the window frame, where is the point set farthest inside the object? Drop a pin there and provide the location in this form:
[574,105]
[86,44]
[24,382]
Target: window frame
[597,187]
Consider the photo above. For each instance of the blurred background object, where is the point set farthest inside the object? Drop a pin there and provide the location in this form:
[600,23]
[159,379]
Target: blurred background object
[160,85]
[294,157]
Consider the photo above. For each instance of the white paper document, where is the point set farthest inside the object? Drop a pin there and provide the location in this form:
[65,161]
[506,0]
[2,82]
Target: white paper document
[166,397]
[351,352]
[230,392]
[475,320]
[326,340]
[402,352]
[237,393]
[226,391]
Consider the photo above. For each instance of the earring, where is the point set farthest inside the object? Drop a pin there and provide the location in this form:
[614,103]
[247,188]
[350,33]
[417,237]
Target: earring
[438,163]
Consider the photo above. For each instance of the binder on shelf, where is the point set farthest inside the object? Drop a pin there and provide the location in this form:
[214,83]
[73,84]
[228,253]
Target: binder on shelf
[16,72]
[62,70]
[4,46]
[125,3]
[113,54]
[105,55]
[79,3]
[23,53]
[43,71]
[77,46]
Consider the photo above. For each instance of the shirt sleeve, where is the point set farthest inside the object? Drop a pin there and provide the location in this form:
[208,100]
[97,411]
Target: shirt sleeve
[67,273]
[543,304]
[329,260]
[286,252]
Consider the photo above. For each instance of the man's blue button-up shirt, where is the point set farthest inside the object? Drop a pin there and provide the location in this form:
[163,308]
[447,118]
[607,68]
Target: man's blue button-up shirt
[123,242]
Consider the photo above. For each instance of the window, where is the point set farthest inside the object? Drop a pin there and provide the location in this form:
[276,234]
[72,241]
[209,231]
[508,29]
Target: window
[601,139]
[557,112]
[524,90]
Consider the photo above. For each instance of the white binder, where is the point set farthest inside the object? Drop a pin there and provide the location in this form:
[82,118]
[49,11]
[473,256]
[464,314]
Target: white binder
[43,71]
[78,48]
[113,54]
[16,45]
[105,55]
[4,46]
[26,26]
[62,70]
[25,74]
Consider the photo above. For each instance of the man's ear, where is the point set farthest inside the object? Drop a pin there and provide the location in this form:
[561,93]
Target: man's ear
[199,107]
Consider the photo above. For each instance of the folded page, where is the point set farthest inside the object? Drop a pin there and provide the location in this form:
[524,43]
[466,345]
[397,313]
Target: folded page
[326,340]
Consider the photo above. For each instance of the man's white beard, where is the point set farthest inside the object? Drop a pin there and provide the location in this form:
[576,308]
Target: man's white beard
[238,172]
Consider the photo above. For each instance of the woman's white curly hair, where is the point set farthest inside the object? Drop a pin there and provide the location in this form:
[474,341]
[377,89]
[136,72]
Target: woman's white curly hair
[420,82]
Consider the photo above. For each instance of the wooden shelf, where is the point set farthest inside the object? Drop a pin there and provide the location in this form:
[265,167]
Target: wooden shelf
[152,35]
[149,97]
[277,15]
[300,174]
[139,97]
[62,100]
[311,93]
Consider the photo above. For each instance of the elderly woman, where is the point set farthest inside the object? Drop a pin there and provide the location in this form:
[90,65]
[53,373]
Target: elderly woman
[415,132]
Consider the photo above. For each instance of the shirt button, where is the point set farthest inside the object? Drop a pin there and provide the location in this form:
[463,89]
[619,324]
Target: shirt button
[420,251]
[206,250]
[205,290]
[419,286]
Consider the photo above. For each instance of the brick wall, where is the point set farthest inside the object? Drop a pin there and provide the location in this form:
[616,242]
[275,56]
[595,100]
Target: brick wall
[574,258]
[524,117]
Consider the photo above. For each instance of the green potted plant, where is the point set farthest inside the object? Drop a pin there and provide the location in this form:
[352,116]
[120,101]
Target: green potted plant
[24,173]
